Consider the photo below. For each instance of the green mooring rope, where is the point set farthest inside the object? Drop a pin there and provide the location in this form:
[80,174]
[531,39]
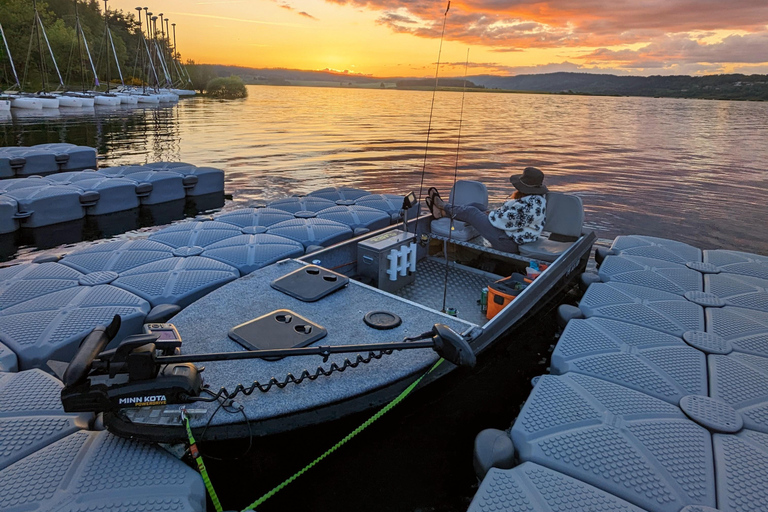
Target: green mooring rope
[209,486]
[201,466]
[352,434]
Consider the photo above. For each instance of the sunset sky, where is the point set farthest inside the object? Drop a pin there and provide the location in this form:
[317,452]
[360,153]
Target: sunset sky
[504,37]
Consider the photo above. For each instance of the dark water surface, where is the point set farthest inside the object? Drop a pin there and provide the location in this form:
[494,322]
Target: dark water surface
[691,170]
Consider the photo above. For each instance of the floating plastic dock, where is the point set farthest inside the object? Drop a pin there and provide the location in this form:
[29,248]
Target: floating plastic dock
[50,460]
[658,393]
[37,201]
[18,162]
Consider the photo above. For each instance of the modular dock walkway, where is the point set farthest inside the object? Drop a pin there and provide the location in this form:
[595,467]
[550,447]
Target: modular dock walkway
[18,162]
[53,461]
[37,201]
[658,393]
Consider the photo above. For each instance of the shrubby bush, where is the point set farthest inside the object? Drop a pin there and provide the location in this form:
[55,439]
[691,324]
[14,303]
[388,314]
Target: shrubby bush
[226,88]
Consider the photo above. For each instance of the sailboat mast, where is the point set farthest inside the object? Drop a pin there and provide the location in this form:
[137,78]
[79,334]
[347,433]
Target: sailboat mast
[106,35]
[78,30]
[10,58]
[140,53]
[36,31]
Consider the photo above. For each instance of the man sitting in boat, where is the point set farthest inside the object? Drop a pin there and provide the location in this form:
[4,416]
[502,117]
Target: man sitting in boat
[518,221]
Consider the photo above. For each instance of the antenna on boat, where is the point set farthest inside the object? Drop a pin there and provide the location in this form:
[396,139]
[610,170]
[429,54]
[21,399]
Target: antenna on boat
[455,177]
[432,108]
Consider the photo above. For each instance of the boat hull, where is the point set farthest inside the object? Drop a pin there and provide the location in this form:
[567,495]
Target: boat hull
[49,101]
[5,105]
[26,103]
[70,102]
[385,379]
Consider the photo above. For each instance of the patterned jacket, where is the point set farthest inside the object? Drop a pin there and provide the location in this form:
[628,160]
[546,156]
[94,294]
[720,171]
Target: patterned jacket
[522,219]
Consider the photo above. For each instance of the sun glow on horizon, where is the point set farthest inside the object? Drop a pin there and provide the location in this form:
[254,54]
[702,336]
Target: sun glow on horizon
[400,39]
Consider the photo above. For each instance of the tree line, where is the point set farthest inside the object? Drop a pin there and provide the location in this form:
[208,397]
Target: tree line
[58,17]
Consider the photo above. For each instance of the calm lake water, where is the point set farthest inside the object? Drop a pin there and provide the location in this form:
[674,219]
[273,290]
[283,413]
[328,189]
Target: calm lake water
[692,170]
[696,171]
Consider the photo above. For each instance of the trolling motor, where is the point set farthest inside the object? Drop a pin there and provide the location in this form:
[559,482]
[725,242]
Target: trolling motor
[145,370]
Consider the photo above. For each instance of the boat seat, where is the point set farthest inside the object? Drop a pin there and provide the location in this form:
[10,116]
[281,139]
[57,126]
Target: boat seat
[564,221]
[463,192]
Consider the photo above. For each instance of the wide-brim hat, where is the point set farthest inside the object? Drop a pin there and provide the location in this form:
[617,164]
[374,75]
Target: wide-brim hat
[530,182]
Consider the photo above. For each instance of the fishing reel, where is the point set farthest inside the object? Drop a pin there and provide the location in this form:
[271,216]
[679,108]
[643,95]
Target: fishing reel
[146,371]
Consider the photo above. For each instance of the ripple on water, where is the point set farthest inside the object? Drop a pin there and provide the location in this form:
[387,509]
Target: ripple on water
[687,169]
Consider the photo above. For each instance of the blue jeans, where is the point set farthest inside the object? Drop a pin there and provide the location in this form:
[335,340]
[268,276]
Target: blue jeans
[473,215]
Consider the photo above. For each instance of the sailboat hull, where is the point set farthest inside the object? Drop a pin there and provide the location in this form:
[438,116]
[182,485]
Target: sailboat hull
[70,101]
[127,99]
[107,101]
[5,105]
[26,103]
[49,101]
[151,99]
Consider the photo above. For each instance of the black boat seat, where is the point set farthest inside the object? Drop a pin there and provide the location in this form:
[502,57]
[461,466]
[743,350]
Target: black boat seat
[564,221]
[463,192]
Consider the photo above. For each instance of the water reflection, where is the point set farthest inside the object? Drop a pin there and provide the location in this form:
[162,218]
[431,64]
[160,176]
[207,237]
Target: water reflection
[688,169]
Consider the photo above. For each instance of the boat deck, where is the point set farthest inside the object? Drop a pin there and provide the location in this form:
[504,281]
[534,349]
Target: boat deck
[204,328]
[658,396]
[463,288]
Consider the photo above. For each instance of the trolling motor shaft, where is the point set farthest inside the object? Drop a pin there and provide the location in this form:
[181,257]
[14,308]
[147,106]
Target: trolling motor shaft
[145,371]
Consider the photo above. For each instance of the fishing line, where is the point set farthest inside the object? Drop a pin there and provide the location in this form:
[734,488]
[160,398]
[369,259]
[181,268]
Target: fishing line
[455,177]
[432,107]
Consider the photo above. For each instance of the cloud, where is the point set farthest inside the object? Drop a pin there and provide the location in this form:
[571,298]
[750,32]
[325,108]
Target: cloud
[227,18]
[681,49]
[300,13]
[555,23]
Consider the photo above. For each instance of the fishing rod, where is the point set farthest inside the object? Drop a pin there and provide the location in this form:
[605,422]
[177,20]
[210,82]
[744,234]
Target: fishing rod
[455,177]
[432,107]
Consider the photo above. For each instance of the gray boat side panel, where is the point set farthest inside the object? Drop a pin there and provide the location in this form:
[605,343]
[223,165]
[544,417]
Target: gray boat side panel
[117,256]
[745,329]
[178,281]
[659,248]
[645,360]
[195,234]
[530,487]
[741,291]
[736,262]
[98,471]
[51,326]
[652,273]
[663,311]
[636,447]
[246,217]
[251,252]
[204,326]
[741,462]
[312,231]
[741,380]
[29,280]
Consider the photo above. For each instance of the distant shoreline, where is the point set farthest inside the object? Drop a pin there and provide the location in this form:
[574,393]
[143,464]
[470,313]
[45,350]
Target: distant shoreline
[393,86]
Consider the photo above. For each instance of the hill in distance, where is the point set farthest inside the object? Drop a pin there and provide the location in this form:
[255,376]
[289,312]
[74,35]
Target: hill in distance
[728,87]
